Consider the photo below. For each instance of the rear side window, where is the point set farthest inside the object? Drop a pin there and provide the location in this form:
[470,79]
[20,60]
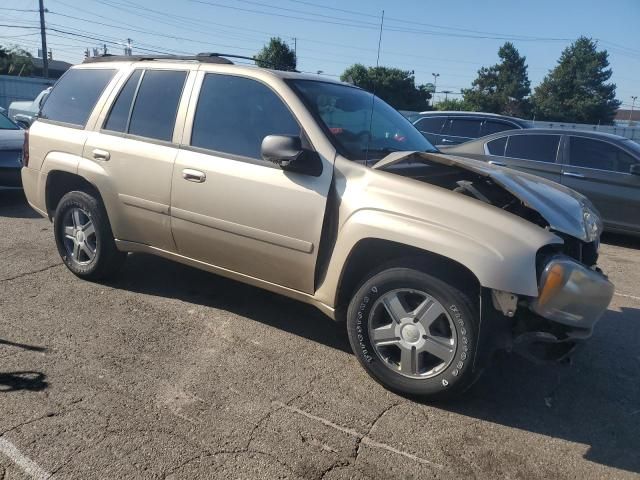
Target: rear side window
[74,96]
[430,124]
[119,116]
[496,147]
[542,148]
[464,127]
[493,126]
[589,153]
[155,108]
[234,114]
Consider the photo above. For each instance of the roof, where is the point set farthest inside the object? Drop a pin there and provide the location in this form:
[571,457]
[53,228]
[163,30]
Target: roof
[560,131]
[462,113]
[210,58]
[623,115]
[53,64]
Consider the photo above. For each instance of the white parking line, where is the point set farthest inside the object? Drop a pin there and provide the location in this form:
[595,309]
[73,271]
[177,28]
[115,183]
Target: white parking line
[27,465]
[624,295]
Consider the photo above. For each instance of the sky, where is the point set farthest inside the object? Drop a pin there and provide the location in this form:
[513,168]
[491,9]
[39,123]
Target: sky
[453,38]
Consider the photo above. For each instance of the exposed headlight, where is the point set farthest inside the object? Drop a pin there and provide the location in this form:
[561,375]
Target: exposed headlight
[592,223]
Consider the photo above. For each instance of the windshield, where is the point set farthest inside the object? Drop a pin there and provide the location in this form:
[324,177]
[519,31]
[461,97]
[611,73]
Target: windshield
[6,124]
[346,113]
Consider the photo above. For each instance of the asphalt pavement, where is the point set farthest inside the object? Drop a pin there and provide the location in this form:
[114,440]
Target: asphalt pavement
[170,372]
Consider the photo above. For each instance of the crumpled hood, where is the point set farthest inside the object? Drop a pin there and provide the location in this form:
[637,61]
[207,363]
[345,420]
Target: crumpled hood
[560,206]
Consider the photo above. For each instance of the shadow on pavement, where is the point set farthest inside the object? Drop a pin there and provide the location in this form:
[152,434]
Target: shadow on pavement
[23,346]
[14,381]
[595,401]
[156,276]
[13,204]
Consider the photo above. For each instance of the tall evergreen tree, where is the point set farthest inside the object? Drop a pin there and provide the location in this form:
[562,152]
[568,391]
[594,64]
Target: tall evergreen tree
[502,88]
[277,55]
[576,90]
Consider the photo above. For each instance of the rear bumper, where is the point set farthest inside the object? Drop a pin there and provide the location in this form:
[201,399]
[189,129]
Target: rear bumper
[10,177]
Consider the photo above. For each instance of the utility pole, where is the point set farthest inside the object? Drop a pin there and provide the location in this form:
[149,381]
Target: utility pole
[633,104]
[295,47]
[446,94]
[435,87]
[43,36]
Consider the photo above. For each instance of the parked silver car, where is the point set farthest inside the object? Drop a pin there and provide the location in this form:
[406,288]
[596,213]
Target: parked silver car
[603,167]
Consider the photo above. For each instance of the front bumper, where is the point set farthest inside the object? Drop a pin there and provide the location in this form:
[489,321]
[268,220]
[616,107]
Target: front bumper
[572,294]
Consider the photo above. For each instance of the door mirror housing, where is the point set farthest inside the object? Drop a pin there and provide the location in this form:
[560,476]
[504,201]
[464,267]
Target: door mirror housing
[287,152]
[635,169]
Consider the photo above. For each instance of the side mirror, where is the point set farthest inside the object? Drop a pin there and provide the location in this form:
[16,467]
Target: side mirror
[635,169]
[23,121]
[287,152]
[283,150]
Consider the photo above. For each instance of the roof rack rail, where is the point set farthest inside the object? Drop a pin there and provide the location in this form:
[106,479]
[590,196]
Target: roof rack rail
[200,57]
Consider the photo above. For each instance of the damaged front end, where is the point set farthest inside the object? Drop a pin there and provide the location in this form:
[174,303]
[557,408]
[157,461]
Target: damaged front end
[572,292]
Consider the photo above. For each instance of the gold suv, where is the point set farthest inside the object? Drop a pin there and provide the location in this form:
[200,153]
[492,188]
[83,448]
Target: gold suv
[319,191]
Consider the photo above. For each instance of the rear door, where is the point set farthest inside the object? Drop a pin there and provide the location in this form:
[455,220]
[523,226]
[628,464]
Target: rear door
[134,146]
[459,130]
[600,170]
[489,127]
[431,127]
[538,154]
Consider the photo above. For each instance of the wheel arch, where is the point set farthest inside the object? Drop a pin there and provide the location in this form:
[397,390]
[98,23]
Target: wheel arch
[386,252]
[60,182]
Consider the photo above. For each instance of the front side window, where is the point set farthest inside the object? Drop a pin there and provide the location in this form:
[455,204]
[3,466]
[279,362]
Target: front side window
[234,114]
[358,132]
[156,105]
[74,96]
[541,148]
[464,127]
[496,147]
[494,126]
[590,153]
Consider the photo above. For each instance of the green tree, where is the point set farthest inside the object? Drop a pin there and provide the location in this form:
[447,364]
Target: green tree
[396,87]
[503,88]
[453,104]
[276,55]
[15,61]
[576,90]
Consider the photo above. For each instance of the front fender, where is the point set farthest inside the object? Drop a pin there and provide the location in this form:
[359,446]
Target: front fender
[504,260]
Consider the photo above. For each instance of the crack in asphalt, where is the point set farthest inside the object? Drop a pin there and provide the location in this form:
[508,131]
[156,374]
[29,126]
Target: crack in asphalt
[26,274]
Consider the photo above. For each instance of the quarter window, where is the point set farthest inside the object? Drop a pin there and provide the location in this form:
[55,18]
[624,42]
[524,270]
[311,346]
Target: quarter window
[156,106]
[542,148]
[75,95]
[430,124]
[119,116]
[590,153]
[234,114]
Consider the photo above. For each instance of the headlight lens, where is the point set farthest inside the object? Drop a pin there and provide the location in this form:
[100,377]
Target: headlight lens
[592,223]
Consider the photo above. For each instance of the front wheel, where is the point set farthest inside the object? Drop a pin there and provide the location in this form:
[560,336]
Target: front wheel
[413,333]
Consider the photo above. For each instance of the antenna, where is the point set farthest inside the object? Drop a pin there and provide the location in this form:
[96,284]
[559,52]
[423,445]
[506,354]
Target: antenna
[373,94]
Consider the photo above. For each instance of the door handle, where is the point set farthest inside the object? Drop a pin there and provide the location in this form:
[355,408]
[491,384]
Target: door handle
[572,174]
[193,175]
[99,154]
[499,164]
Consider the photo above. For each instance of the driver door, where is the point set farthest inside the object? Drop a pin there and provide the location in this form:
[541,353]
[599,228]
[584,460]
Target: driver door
[230,208]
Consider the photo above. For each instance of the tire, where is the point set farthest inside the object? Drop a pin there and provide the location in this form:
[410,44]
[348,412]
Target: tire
[98,258]
[435,317]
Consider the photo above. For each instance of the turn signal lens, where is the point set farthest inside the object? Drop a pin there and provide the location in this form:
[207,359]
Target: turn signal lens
[553,283]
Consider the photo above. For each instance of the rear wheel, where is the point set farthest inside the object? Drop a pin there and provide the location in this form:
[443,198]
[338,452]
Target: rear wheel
[413,333]
[84,238]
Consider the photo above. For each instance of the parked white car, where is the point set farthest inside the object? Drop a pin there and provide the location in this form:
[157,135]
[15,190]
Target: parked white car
[25,112]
